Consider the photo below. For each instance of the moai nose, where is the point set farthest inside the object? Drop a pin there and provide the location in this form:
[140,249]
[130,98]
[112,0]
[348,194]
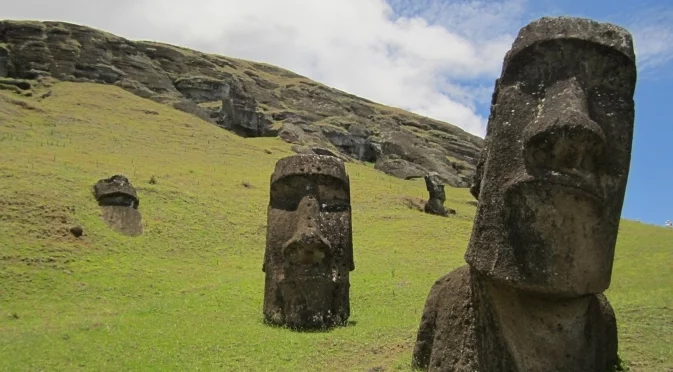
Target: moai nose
[307,244]
[565,139]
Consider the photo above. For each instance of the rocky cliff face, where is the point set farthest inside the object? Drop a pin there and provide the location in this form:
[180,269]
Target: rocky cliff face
[248,98]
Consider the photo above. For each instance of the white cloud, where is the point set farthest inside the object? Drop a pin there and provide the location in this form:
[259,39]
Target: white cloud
[653,39]
[435,62]
[475,19]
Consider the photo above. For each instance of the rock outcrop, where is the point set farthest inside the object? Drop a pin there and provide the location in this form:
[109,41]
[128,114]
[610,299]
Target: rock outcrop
[248,98]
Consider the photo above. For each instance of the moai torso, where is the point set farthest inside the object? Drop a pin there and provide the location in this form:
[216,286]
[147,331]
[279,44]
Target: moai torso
[550,184]
[309,249]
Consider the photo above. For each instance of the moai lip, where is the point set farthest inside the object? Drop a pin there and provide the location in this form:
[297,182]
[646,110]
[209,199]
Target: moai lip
[550,185]
[309,249]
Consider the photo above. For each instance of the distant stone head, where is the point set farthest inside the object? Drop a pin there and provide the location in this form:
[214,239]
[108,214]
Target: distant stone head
[309,248]
[119,203]
[437,196]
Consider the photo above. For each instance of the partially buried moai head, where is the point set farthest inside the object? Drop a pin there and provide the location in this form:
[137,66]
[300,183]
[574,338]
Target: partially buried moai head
[555,167]
[119,203]
[116,191]
[309,250]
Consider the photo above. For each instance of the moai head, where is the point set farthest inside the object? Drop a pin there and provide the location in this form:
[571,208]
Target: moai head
[119,202]
[116,191]
[309,249]
[556,162]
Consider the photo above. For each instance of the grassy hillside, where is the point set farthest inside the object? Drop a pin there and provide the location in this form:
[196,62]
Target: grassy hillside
[250,98]
[187,294]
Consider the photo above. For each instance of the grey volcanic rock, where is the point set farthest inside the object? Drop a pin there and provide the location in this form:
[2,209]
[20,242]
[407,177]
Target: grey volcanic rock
[542,247]
[248,98]
[292,133]
[202,88]
[394,165]
[4,61]
[406,155]
[239,113]
[356,142]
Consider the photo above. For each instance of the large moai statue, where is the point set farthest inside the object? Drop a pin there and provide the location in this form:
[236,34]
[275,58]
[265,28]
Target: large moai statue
[550,186]
[309,248]
[119,203]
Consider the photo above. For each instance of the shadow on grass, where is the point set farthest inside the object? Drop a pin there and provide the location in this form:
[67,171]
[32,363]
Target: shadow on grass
[350,323]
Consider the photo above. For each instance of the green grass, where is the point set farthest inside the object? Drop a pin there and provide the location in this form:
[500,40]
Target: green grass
[187,294]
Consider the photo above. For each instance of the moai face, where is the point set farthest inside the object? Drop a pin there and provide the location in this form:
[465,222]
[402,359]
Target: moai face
[309,251]
[116,191]
[557,159]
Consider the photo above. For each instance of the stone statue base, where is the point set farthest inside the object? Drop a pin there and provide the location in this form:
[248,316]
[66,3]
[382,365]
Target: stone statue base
[473,324]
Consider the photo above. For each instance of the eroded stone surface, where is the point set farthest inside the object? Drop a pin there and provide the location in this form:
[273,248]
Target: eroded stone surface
[550,185]
[239,113]
[309,248]
[119,203]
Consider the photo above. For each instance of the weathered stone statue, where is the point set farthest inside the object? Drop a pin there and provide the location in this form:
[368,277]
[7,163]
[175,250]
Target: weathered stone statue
[551,188]
[435,203]
[119,202]
[309,249]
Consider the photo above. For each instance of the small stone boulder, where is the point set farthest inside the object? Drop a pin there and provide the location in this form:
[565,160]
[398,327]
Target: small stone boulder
[77,231]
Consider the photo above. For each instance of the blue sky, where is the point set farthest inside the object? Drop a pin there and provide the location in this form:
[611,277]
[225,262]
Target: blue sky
[438,58]
[649,196]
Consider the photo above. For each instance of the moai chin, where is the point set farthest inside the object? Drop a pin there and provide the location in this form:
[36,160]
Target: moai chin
[550,184]
[309,248]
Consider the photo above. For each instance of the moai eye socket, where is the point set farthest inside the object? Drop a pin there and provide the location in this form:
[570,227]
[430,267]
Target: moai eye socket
[286,193]
[334,206]
[332,195]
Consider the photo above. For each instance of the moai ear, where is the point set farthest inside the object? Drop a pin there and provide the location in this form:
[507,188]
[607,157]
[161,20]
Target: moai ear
[475,188]
[476,180]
